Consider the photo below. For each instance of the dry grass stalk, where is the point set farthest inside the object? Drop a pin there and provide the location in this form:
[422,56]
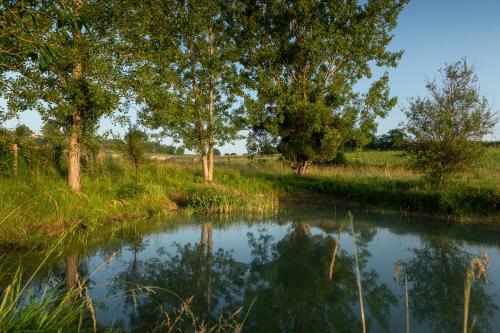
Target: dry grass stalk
[334,254]
[476,270]
[400,273]
[358,274]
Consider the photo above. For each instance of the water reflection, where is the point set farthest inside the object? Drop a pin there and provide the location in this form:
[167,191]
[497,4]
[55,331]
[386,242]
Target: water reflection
[292,274]
[294,293]
[288,279]
[437,273]
[213,278]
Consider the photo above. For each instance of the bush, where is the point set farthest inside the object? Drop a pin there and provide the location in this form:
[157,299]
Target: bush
[446,128]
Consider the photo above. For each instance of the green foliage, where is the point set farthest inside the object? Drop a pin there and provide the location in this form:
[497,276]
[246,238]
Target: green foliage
[21,34]
[33,153]
[6,156]
[156,147]
[135,142]
[75,86]
[445,128]
[182,61]
[54,91]
[303,59]
[340,158]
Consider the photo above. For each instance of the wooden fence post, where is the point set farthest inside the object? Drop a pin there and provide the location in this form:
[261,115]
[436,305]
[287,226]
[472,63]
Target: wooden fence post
[14,150]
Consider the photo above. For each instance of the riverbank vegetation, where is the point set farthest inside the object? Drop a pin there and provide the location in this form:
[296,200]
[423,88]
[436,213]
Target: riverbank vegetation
[37,204]
[201,73]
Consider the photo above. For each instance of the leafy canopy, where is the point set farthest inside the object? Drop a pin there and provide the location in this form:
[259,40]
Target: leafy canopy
[183,53]
[303,60]
[76,32]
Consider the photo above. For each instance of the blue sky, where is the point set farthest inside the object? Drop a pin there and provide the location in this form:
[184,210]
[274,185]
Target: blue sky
[431,33]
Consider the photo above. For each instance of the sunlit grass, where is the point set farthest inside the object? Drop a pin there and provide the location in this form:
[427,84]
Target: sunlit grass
[37,203]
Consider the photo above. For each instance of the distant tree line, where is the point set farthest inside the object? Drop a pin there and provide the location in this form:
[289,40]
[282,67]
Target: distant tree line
[150,147]
[394,139]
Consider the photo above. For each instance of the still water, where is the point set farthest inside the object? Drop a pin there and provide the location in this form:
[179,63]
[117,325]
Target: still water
[280,272]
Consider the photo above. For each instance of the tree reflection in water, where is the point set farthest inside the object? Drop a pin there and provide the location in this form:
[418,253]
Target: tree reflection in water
[436,276]
[287,276]
[288,279]
[213,278]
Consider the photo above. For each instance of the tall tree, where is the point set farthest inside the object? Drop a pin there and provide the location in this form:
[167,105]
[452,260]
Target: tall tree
[445,128]
[303,59]
[76,86]
[187,78]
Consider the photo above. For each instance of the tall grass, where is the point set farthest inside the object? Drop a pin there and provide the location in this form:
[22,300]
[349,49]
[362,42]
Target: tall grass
[37,203]
[38,207]
[54,309]
[51,311]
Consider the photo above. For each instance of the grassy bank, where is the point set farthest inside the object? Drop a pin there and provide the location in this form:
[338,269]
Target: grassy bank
[36,204]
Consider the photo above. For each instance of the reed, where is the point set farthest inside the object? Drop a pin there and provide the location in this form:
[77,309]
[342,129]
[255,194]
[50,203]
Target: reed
[358,274]
[334,254]
[401,277]
[476,270]
[54,309]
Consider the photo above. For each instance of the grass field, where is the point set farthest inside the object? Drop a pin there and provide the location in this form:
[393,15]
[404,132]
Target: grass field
[37,205]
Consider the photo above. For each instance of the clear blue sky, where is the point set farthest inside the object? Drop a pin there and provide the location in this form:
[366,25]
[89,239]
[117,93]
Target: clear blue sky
[431,33]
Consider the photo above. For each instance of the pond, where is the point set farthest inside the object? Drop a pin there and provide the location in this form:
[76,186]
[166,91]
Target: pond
[286,273]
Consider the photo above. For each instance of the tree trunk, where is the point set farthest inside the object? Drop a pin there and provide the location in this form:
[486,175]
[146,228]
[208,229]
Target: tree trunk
[211,163]
[74,149]
[210,126]
[74,152]
[302,167]
[204,165]
[201,254]
[71,274]
[209,267]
